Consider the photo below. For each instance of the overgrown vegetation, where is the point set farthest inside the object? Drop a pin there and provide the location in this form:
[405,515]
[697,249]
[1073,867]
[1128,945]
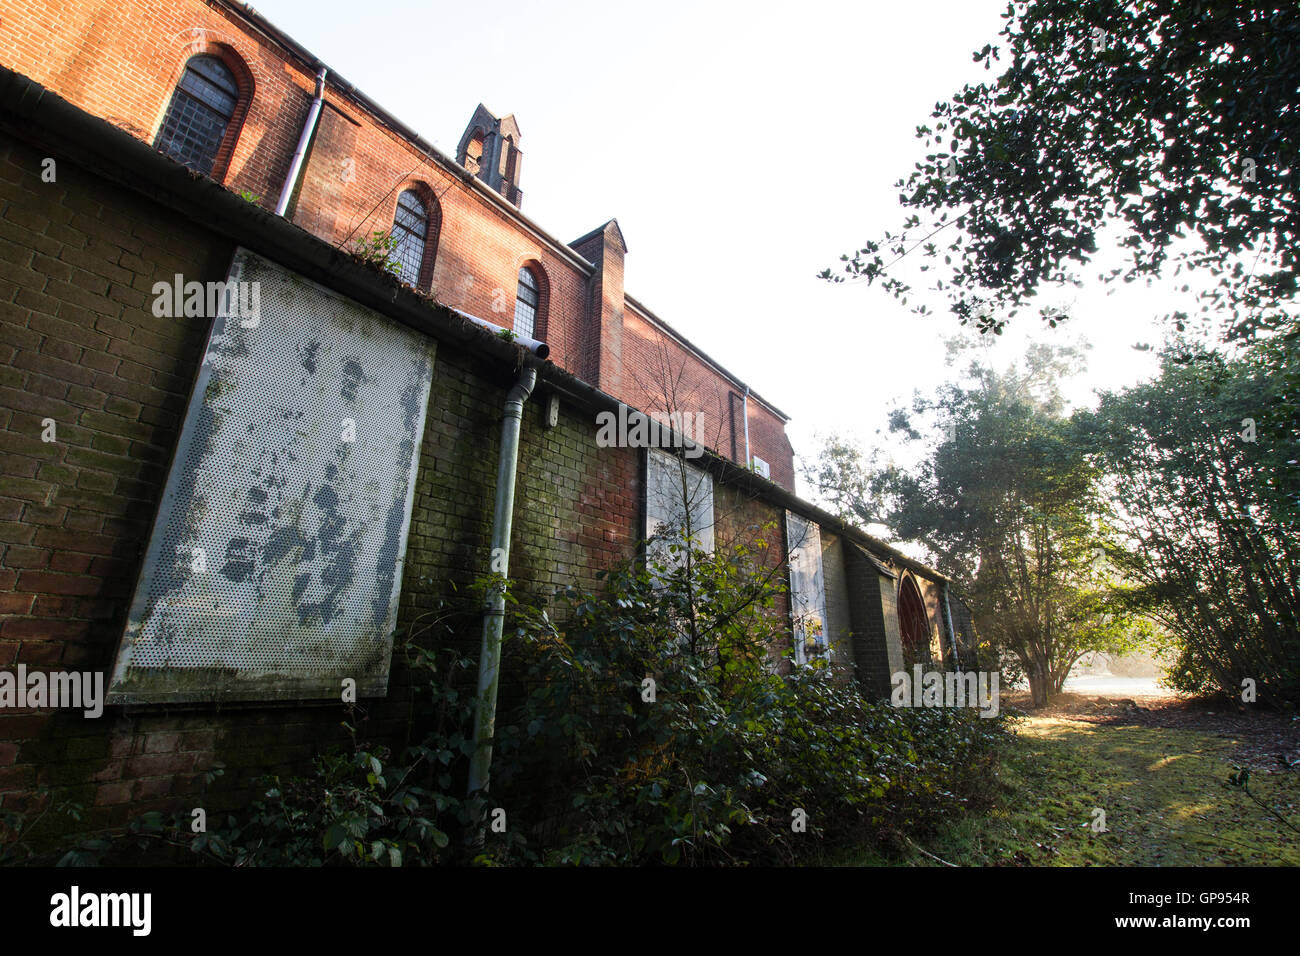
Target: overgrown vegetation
[1204,493]
[1168,798]
[656,712]
[379,250]
[649,723]
[1168,122]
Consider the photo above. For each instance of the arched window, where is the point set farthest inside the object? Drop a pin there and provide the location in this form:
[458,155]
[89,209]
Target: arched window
[913,624]
[199,114]
[411,230]
[474,152]
[526,299]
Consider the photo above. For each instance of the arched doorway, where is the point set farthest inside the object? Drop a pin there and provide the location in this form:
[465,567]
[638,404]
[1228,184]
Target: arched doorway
[913,623]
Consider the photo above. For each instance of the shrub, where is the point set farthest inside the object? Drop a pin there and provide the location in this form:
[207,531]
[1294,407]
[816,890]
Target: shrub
[650,723]
[715,767]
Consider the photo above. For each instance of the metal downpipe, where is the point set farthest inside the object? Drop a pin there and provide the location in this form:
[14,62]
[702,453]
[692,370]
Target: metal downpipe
[952,632]
[489,663]
[744,401]
[309,127]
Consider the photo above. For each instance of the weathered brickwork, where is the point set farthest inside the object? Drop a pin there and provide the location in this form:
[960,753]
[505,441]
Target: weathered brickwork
[122,62]
[742,518]
[576,504]
[82,353]
[82,347]
[839,616]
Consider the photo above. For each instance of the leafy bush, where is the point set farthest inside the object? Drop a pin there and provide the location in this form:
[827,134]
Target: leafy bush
[20,831]
[379,250]
[651,723]
[715,768]
[362,808]
[1208,504]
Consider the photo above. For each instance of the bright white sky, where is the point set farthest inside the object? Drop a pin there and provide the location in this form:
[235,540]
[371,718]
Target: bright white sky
[742,147]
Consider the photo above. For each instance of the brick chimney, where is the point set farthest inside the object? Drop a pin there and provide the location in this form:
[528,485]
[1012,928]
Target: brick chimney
[603,325]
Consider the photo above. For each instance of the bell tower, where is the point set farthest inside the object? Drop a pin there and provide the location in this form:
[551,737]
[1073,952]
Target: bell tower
[490,150]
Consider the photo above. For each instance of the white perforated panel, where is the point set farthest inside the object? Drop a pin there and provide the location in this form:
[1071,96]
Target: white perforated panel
[678,494]
[275,562]
[807,586]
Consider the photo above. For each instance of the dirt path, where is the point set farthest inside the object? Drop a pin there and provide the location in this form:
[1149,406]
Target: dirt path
[1157,768]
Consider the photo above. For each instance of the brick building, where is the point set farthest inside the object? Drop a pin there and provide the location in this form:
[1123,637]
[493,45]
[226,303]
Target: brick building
[177,507]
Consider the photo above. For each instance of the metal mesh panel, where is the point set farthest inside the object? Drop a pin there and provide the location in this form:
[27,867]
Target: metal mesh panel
[807,585]
[275,562]
[677,494]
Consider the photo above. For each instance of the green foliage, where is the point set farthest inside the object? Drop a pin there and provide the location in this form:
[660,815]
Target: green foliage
[248,196]
[1173,117]
[361,807]
[713,768]
[379,250]
[355,809]
[1206,497]
[710,771]
[1008,504]
[21,830]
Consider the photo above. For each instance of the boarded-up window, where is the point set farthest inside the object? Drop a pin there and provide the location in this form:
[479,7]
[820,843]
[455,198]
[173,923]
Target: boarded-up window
[679,504]
[807,588]
[913,623]
[275,561]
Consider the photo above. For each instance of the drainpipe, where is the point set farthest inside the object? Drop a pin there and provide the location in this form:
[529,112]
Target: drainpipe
[952,633]
[744,405]
[489,662]
[308,128]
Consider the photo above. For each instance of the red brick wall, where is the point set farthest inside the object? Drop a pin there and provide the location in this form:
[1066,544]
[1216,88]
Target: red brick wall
[122,61]
[79,344]
[658,374]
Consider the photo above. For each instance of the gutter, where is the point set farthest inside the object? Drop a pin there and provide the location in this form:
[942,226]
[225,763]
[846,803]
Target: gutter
[594,399]
[538,348]
[29,113]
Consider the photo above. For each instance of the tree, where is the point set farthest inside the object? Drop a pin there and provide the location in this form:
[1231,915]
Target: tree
[1174,118]
[1206,493]
[1007,506]
[688,525]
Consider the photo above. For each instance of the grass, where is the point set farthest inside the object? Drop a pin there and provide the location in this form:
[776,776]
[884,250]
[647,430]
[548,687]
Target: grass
[1164,793]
